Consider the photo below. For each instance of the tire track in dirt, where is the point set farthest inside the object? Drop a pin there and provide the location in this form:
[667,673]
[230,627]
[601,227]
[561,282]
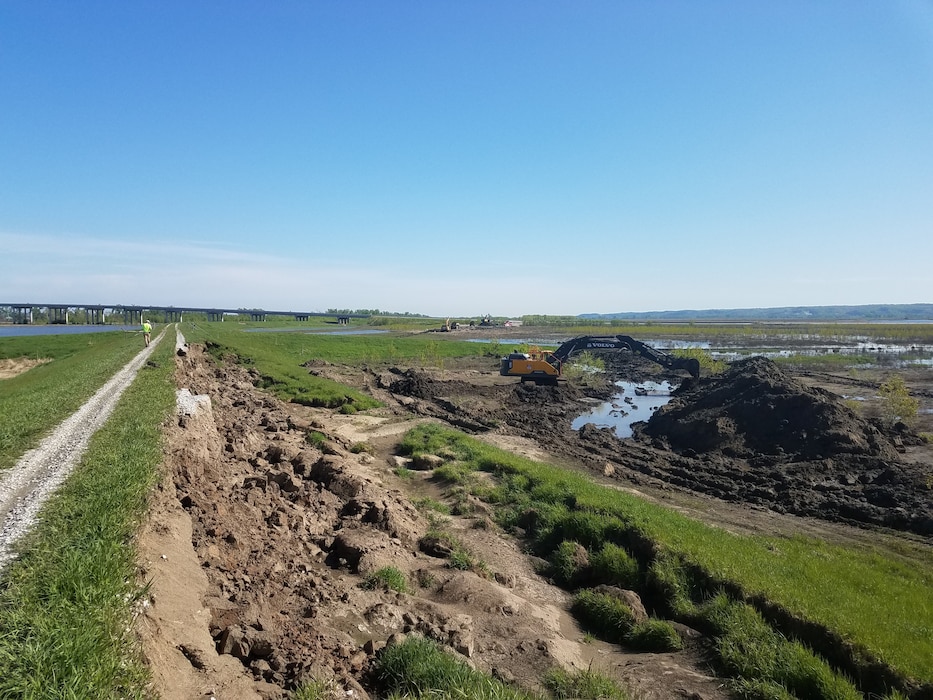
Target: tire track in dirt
[40,471]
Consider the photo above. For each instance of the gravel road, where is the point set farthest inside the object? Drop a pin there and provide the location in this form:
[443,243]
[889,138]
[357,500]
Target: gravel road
[25,487]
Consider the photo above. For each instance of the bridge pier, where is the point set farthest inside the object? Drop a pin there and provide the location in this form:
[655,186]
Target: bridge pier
[95,315]
[133,316]
[22,314]
[343,320]
[255,316]
[301,317]
[215,315]
[58,314]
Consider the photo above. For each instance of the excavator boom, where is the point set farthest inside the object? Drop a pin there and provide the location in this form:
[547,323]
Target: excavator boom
[547,368]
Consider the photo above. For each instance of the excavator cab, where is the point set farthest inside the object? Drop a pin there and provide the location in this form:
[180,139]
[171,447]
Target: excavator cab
[536,365]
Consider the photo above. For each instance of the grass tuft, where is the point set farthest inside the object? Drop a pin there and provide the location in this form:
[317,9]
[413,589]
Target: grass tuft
[582,685]
[419,668]
[388,578]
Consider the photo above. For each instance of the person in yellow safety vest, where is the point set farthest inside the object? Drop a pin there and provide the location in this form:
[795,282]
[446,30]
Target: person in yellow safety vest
[147,331]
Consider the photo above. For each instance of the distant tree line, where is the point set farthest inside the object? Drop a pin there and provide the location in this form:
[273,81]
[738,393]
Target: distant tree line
[864,312]
[373,312]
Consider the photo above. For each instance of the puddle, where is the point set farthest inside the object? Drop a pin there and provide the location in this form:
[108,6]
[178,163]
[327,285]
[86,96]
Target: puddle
[635,401]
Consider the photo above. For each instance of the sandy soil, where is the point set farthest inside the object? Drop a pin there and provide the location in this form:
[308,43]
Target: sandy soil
[12,366]
[259,539]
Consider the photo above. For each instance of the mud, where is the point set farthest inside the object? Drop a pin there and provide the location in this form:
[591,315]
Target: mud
[753,435]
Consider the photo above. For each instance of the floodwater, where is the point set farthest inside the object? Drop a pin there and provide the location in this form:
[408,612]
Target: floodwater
[633,402]
[775,346]
[58,329]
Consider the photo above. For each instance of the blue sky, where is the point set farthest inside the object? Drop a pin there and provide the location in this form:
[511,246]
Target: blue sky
[462,158]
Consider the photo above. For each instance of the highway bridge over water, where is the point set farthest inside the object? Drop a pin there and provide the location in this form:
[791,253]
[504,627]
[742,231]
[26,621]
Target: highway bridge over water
[130,313]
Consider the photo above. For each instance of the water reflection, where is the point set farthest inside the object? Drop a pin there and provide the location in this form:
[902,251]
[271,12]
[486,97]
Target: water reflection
[635,401]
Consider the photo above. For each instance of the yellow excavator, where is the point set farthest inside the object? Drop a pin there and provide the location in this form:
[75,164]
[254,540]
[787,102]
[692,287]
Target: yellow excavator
[544,367]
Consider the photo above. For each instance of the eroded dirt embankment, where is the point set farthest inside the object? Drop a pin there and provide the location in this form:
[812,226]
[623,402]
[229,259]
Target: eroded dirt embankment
[259,540]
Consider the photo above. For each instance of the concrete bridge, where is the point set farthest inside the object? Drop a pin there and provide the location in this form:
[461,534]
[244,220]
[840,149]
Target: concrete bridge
[99,313]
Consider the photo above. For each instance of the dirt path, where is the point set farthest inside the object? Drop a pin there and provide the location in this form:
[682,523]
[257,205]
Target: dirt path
[36,476]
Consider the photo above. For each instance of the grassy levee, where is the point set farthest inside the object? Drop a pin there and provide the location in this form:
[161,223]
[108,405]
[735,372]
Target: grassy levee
[65,622]
[279,356]
[867,610]
[34,402]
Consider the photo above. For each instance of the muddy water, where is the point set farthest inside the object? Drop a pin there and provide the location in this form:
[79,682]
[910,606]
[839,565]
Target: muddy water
[632,402]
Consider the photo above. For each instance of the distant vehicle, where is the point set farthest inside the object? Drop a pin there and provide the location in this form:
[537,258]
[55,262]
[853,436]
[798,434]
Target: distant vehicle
[544,367]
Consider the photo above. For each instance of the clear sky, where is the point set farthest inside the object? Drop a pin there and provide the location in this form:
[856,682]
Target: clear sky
[461,158]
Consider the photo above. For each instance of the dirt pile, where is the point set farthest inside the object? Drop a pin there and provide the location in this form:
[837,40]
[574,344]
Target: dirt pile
[755,434]
[756,409]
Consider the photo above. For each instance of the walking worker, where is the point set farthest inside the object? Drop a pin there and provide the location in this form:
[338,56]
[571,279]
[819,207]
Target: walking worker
[147,331]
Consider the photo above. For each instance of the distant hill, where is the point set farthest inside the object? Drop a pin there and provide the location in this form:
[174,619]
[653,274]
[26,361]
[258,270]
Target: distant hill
[866,312]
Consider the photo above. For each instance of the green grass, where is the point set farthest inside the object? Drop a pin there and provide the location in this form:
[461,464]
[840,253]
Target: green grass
[878,600]
[34,402]
[708,364]
[717,332]
[279,357]
[829,362]
[65,628]
[587,684]
[750,649]
[431,505]
[654,636]
[388,577]
[610,618]
[419,668]
[428,349]
[316,689]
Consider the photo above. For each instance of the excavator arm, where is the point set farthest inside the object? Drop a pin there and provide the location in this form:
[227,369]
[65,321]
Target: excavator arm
[547,369]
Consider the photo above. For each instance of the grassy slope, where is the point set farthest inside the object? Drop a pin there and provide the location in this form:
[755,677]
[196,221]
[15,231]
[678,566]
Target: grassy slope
[279,357]
[65,628]
[877,599]
[34,402]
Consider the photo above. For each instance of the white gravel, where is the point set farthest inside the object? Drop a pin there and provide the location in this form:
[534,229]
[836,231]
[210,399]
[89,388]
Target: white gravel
[26,487]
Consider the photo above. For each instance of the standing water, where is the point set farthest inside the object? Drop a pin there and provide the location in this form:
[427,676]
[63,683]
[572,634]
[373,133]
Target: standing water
[635,401]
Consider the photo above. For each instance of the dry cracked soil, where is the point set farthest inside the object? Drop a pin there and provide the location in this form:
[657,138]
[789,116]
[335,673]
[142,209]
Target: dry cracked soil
[259,540]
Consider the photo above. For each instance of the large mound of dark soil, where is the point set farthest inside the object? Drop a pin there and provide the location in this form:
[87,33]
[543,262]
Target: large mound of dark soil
[755,434]
[754,408]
